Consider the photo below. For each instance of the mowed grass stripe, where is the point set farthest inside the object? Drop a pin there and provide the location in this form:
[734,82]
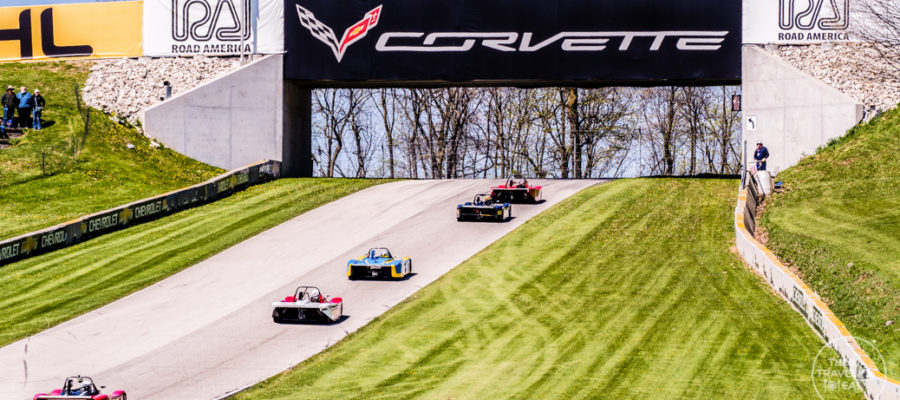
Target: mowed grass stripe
[46,290]
[626,290]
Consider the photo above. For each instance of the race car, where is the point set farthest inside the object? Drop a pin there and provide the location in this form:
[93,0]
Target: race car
[308,304]
[80,387]
[516,190]
[483,207]
[379,263]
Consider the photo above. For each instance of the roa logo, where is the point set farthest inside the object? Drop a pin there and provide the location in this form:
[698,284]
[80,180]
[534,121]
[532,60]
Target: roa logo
[789,16]
[324,33]
[199,21]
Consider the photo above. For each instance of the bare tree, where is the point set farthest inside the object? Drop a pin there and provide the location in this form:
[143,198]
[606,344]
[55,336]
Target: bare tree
[662,122]
[386,106]
[491,132]
[692,108]
[723,125]
[878,22]
[360,127]
[606,126]
[551,121]
[414,106]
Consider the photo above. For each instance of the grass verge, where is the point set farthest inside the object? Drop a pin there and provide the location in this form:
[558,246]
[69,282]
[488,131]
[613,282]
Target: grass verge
[43,183]
[625,290]
[838,226]
[107,268]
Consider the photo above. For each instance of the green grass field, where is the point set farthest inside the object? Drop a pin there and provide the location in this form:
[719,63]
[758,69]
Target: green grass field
[838,224]
[626,290]
[102,270]
[106,173]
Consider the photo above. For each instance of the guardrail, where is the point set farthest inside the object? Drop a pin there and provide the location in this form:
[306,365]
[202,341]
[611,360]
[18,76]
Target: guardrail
[804,300]
[141,211]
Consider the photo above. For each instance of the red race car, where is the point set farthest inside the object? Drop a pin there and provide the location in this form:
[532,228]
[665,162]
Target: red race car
[80,387]
[516,190]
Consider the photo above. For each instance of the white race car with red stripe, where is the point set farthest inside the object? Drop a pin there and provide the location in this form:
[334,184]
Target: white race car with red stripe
[308,304]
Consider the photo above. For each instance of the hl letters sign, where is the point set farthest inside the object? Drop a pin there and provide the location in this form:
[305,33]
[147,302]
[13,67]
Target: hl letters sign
[95,30]
[439,42]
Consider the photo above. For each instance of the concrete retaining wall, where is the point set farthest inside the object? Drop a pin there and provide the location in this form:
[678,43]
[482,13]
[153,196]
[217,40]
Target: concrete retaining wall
[231,121]
[805,301]
[108,221]
[792,112]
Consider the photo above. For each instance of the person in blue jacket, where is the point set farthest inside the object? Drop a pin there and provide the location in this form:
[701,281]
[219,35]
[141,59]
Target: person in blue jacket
[760,155]
[24,107]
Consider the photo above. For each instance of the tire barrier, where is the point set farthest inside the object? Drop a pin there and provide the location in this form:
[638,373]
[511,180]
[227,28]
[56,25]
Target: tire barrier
[804,300]
[138,212]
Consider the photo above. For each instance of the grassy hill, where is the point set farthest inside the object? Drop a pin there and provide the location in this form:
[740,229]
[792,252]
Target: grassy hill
[626,290]
[102,270]
[43,184]
[838,225]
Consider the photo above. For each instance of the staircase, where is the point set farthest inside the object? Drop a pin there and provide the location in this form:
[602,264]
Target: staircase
[10,133]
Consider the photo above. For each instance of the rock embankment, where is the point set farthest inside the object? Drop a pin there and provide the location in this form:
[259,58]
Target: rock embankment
[856,69]
[127,87]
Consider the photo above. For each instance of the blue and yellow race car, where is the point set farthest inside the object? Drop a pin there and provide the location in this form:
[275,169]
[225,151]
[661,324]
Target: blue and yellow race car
[379,263]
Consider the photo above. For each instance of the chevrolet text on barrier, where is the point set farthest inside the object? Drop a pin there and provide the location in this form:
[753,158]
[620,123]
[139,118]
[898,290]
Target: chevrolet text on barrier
[103,222]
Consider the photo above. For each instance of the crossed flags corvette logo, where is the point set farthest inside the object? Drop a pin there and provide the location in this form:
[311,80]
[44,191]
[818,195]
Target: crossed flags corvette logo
[324,33]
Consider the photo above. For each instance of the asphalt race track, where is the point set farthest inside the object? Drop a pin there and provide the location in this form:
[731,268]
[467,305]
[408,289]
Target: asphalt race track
[208,330]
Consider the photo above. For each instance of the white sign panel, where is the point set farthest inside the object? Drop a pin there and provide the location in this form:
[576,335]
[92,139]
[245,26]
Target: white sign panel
[798,21]
[270,27]
[209,27]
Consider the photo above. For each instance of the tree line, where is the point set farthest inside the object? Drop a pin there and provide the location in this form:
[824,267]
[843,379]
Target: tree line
[493,132]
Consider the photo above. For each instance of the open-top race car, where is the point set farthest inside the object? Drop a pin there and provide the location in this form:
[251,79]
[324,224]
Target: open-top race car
[308,304]
[80,387]
[379,263]
[516,190]
[482,208]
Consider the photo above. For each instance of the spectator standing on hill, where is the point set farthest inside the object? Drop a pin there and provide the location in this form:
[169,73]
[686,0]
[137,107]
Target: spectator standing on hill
[9,106]
[37,104]
[24,107]
[760,155]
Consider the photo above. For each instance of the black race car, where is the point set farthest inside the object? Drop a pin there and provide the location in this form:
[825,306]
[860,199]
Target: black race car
[483,208]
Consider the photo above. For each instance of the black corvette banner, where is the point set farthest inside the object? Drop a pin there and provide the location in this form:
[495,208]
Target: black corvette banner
[639,42]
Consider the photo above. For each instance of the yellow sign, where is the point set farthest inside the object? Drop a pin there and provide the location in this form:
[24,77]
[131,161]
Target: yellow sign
[67,31]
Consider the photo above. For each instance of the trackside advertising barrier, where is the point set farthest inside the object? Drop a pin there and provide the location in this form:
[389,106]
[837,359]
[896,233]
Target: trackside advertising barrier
[71,31]
[101,223]
[816,313]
